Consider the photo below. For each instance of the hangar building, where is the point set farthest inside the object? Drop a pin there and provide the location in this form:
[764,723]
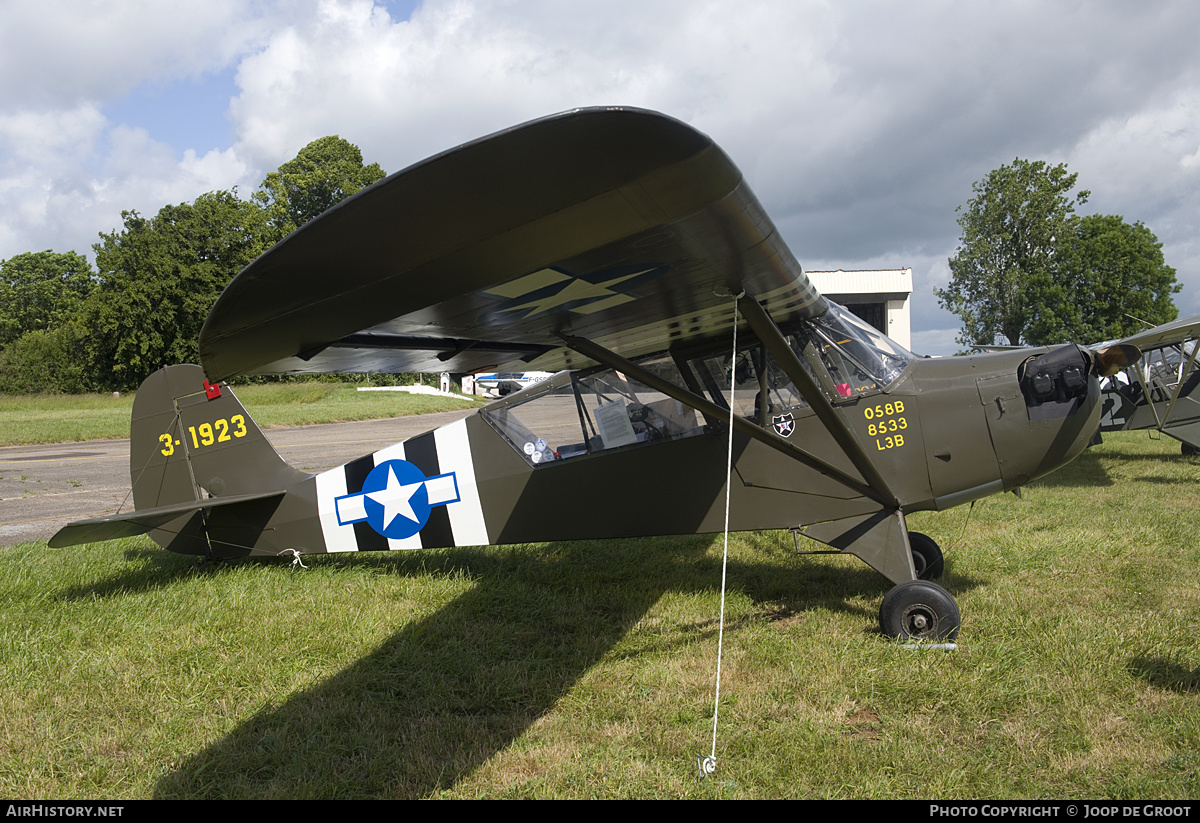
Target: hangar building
[880,297]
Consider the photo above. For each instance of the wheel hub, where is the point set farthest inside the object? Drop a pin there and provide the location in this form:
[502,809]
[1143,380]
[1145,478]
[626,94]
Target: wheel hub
[919,620]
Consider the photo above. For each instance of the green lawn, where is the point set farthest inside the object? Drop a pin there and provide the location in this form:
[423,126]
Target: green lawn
[29,419]
[586,669]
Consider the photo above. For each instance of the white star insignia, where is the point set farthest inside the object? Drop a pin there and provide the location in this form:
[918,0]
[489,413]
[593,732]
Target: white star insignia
[395,499]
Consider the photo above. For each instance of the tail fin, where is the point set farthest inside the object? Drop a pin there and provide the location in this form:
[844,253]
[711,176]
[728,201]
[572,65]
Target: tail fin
[189,441]
[205,479]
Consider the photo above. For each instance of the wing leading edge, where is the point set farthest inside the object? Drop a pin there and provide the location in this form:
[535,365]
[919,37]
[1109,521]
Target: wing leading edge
[1168,334]
[622,226]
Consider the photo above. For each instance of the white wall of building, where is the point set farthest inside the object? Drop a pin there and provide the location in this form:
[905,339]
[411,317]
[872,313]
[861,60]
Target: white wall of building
[892,287]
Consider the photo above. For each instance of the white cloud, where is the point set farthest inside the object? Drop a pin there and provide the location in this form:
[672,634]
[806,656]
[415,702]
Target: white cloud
[34,139]
[58,53]
[213,170]
[459,70]
[66,173]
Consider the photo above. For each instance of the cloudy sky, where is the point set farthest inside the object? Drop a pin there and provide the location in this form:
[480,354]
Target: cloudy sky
[860,125]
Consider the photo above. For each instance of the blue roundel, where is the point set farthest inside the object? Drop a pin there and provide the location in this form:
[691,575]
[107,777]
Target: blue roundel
[396,500]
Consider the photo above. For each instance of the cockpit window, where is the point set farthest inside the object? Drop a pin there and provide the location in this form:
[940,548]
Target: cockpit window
[859,359]
[756,377]
[619,411]
[544,425]
[593,411]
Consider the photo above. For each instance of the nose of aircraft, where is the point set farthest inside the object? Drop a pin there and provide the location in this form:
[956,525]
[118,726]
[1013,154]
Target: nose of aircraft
[1045,415]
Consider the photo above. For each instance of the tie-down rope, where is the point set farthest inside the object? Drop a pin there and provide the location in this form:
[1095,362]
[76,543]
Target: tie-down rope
[708,765]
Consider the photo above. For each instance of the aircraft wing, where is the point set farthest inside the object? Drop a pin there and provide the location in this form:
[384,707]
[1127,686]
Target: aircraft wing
[622,226]
[1168,334]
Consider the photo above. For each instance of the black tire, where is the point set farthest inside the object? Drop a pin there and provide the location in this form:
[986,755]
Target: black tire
[927,556]
[919,610]
[1188,450]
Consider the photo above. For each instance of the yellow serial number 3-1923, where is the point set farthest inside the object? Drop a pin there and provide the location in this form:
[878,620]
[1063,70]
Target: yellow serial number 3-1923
[206,434]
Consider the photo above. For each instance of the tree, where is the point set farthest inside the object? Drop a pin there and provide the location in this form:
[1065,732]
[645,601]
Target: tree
[45,360]
[1029,270]
[324,173]
[1005,272]
[40,291]
[1114,280]
[159,277]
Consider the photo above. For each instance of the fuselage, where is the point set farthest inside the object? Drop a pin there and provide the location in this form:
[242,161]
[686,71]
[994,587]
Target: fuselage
[587,456]
[834,427]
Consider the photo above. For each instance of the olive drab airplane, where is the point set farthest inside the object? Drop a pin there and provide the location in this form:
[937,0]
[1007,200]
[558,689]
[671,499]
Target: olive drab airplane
[1156,390]
[618,248]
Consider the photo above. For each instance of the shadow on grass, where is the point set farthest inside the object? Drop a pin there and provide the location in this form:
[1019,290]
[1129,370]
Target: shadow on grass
[1085,470]
[1149,461]
[1088,469]
[449,691]
[1165,673]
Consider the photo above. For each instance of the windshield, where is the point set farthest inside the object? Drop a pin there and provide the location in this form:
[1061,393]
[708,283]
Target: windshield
[860,359]
[593,411]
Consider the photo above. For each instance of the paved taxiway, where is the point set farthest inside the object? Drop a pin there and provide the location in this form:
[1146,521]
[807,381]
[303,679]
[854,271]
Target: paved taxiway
[42,488]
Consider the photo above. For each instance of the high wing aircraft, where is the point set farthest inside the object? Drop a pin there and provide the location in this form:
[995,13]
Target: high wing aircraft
[622,249]
[502,384]
[1156,390]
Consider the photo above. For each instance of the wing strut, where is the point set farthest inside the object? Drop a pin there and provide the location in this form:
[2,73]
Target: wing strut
[774,341]
[1184,373]
[706,407]
[1140,371]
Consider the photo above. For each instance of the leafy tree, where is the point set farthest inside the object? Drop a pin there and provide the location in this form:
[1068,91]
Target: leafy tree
[159,277]
[1029,270]
[325,172]
[1006,270]
[45,360]
[40,291]
[1113,280]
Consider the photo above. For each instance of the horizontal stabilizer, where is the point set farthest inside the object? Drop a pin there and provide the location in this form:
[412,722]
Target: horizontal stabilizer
[141,521]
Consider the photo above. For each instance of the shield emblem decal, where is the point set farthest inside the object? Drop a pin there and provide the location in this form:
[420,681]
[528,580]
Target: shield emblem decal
[784,424]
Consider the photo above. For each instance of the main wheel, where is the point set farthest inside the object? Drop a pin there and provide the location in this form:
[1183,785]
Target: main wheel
[919,610]
[927,557]
[1188,450]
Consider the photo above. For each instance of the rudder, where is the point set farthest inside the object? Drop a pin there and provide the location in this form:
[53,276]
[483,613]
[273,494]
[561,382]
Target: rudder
[189,441]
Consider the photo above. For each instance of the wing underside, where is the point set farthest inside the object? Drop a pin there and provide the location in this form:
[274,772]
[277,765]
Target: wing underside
[1168,334]
[621,226]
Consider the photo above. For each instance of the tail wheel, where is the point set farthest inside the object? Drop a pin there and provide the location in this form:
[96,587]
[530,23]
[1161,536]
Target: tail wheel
[919,610]
[927,557]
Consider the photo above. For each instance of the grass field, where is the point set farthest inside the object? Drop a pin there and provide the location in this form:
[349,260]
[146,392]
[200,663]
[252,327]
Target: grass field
[586,669]
[29,419]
